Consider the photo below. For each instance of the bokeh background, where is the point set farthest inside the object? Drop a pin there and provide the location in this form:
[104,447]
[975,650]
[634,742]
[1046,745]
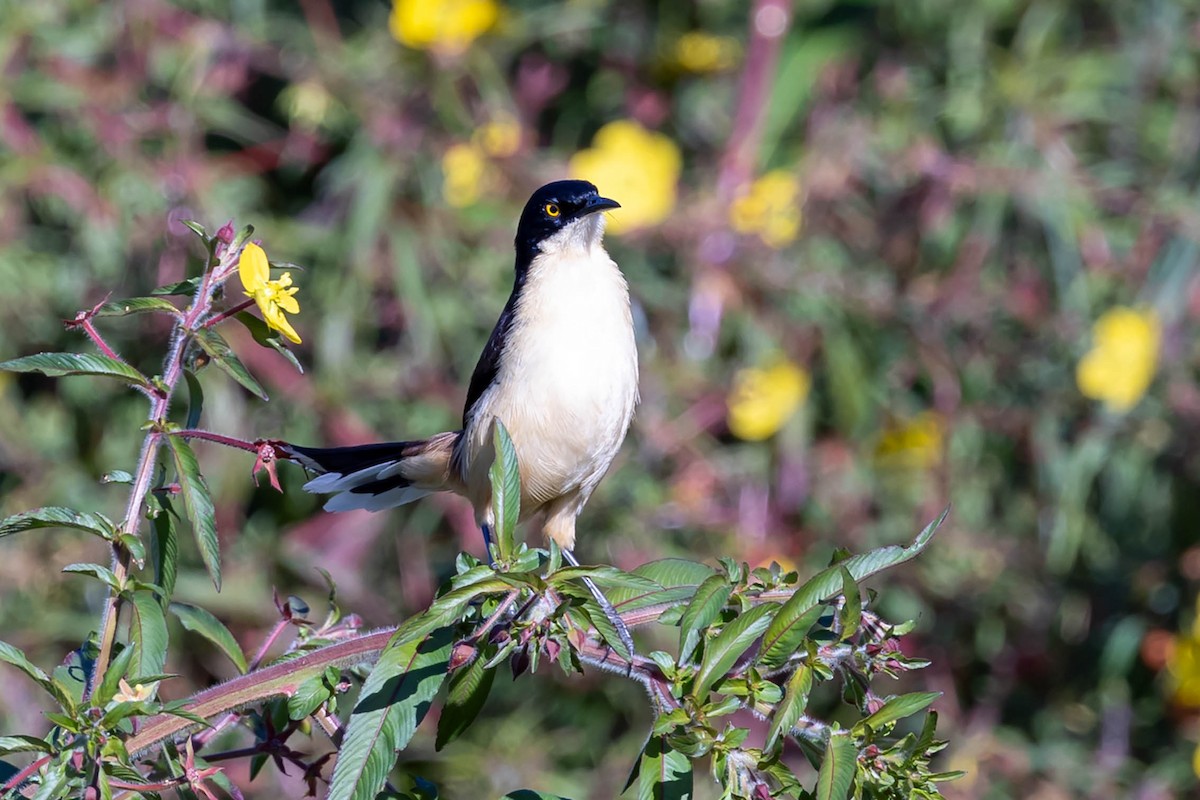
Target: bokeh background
[886,255]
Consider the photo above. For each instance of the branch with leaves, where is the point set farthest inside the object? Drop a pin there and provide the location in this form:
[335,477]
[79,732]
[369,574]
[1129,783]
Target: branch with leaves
[759,640]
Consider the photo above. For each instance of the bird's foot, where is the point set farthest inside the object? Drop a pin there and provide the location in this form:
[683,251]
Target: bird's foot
[610,612]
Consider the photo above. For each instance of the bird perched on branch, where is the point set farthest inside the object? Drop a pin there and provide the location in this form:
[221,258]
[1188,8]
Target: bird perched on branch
[560,371]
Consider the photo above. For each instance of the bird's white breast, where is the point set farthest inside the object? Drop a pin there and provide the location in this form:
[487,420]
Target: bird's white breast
[568,380]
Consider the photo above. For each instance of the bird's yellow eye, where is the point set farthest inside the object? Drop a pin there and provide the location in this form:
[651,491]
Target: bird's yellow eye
[552,210]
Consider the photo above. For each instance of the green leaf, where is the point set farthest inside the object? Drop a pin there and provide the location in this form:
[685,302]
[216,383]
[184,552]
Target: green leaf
[187,287]
[662,773]
[465,697]
[268,338]
[196,228]
[117,669]
[838,768]
[23,744]
[100,573]
[312,694]
[14,657]
[677,577]
[722,651]
[195,399]
[164,547]
[505,476]
[197,502]
[897,708]
[787,630]
[705,607]
[136,305]
[851,615]
[393,701]
[445,610]
[201,621]
[59,517]
[792,706]
[57,365]
[828,582]
[223,356]
[147,635]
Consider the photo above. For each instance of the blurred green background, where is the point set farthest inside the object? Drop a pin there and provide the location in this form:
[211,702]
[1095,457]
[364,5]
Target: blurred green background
[869,242]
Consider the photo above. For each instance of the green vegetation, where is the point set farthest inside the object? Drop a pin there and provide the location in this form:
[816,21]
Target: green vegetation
[887,256]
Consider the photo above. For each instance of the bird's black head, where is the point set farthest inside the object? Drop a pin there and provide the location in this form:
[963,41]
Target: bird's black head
[552,208]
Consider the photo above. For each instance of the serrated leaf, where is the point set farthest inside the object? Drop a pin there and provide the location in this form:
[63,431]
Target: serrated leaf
[309,696]
[147,635]
[604,576]
[223,356]
[897,708]
[787,630]
[791,707]
[23,744]
[164,548]
[722,651]
[57,365]
[393,701]
[197,503]
[445,610]
[117,669]
[14,657]
[838,768]
[505,477]
[266,337]
[201,621]
[100,573]
[195,399]
[678,578]
[851,614]
[705,607]
[600,621]
[187,287]
[662,773]
[136,305]
[58,517]
[117,476]
[828,582]
[465,697]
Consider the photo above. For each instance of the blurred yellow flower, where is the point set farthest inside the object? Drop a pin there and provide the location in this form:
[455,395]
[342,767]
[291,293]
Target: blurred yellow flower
[770,208]
[762,400]
[637,168]
[697,51]
[464,175]
[447,25]
[1183,665]
[915,443]
[499,138]
[1124,356]
[274,297]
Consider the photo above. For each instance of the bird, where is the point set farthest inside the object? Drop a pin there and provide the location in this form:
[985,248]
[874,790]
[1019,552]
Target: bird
[559,371]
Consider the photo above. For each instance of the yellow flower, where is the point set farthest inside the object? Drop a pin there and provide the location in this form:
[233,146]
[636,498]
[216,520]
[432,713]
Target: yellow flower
[770,209]
[697,51]
[133,694]
[639,168]
[762,400]
[446,25]
[499,138]
[465,172]
[274,297]
[914,443]
[1183,664]
[1124,355]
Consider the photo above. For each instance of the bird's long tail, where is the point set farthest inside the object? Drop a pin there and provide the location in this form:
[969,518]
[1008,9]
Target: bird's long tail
[377,476]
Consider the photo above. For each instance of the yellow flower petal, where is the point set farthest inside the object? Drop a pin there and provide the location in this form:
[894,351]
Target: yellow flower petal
[253,268]
[448,25]
[1124,357]
[769,208]
[274,318]
[640,168]
[762,400]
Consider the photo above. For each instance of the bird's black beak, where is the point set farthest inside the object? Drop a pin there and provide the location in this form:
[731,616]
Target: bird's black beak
[597,203]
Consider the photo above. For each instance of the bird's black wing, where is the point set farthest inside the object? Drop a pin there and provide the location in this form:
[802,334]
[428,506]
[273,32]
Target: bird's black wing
[489,360]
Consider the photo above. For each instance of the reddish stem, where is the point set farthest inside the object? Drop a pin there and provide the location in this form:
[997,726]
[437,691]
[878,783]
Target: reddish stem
[227,313]
[219,438]
[23,775]
[98,340]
